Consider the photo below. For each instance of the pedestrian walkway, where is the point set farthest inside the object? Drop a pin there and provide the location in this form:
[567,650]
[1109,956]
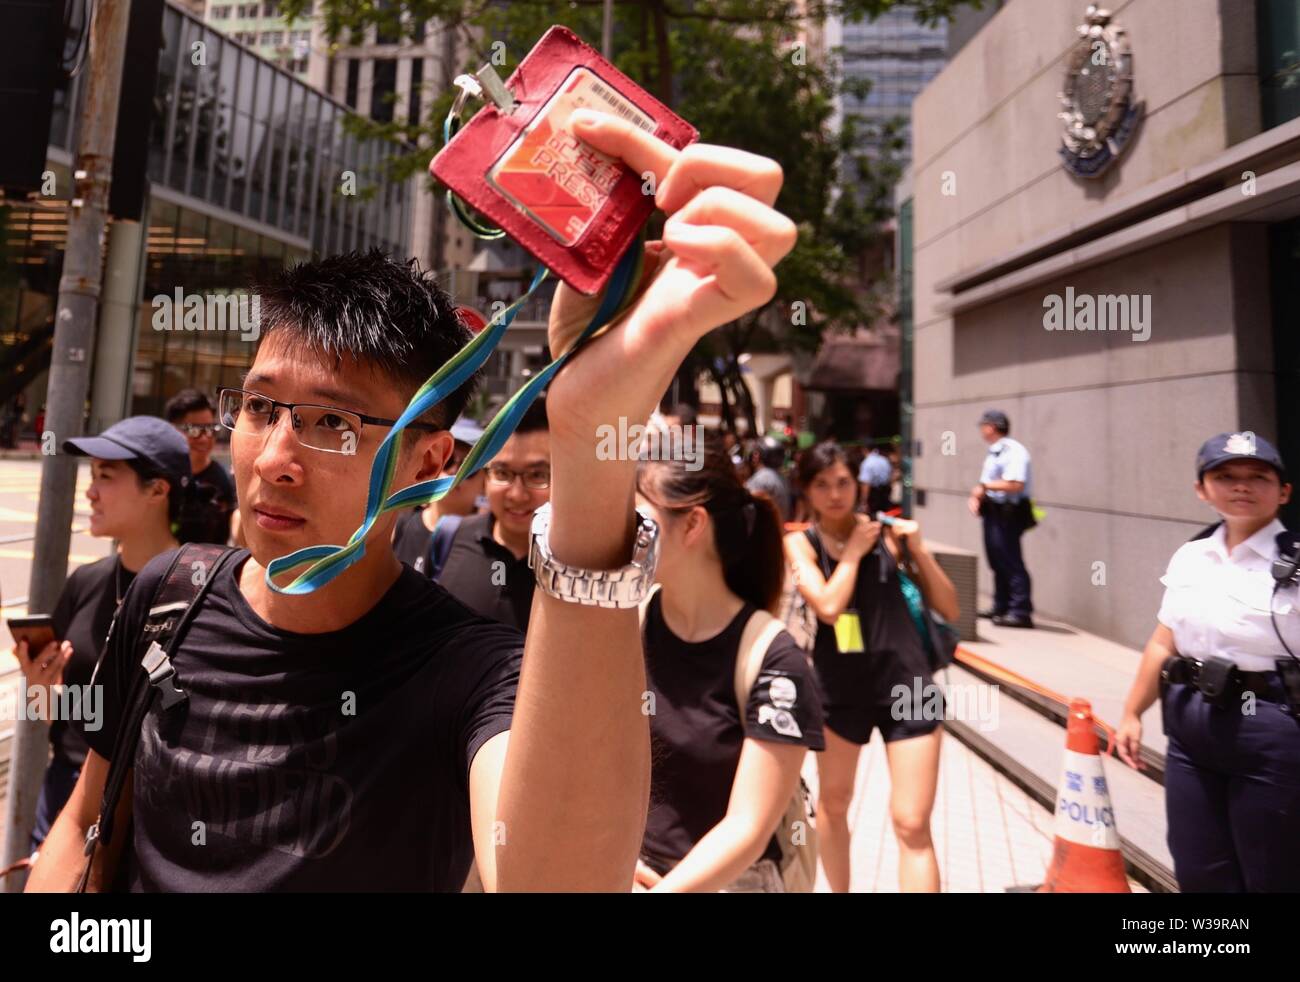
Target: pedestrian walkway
[988,834]
[20,484]
[1074,663]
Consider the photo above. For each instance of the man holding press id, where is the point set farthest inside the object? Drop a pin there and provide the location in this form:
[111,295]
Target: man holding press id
[376,734]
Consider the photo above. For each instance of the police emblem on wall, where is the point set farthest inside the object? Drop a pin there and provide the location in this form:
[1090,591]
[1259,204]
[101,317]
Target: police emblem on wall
[1097,100]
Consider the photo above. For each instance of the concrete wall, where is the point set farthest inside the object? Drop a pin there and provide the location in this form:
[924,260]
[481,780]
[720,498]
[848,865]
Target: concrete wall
[990,119]
[1113,424]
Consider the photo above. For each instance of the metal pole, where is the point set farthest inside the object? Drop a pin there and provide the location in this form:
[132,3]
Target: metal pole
[69,381]
[110,394]
[607,31]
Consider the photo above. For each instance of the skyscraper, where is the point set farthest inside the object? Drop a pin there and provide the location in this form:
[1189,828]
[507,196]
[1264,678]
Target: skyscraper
[261,26]
[897,55]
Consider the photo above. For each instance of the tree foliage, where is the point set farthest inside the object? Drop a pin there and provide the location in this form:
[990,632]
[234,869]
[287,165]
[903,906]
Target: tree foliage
[738,70]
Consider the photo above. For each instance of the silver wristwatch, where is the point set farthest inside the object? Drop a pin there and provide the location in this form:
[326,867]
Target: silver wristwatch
[624,587]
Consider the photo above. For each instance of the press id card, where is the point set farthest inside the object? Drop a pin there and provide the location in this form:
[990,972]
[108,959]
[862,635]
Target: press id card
[576,209]
[558,180]
[848,633]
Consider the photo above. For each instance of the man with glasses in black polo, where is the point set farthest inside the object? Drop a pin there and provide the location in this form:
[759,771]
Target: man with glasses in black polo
[486,566]
[210,499]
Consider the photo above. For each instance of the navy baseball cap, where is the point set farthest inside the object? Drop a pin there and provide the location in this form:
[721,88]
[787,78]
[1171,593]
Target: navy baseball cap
[997,418]
[1237,446]
[139,438]
[465,430]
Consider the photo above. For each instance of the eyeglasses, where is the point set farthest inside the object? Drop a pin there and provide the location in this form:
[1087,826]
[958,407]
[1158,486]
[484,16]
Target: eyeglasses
[535,478]
[325,428]
[197,429]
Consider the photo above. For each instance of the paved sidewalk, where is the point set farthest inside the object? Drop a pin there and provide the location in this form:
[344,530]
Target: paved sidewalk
[1073,663]
[988,834]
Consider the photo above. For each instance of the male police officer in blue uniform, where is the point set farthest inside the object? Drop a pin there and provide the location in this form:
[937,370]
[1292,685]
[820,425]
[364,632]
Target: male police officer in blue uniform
[1002,499]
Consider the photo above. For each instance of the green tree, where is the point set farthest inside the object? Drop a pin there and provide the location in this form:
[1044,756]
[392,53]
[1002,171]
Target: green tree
[738,71]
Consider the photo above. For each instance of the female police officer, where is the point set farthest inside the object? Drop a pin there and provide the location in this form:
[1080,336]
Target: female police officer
[1223,656]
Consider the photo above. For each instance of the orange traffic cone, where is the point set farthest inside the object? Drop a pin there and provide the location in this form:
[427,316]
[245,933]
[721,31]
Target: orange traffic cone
[1086,856]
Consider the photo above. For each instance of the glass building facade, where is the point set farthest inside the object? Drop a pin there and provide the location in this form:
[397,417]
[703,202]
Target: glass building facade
[249,169]
[899,56]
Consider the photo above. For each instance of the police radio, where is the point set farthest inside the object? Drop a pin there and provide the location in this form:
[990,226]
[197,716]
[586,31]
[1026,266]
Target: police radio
[1286,567]
[1286,572]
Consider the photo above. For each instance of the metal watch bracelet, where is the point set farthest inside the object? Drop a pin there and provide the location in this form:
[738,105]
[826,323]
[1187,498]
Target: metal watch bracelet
[620,588]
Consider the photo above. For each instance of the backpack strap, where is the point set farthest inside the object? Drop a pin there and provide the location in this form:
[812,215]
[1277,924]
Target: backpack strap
[760,631]
[823,557]
[176,600]
[444,534]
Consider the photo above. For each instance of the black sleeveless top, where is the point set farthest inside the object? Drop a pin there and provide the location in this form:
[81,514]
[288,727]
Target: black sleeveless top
[894,653]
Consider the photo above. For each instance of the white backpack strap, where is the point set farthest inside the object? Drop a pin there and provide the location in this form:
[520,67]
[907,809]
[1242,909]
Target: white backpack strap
[760,631]
[798,862]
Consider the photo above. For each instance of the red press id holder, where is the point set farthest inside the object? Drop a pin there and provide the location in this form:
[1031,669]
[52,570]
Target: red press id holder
[576,209]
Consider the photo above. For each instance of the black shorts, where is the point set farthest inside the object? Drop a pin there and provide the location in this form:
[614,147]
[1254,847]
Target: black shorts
[855,723]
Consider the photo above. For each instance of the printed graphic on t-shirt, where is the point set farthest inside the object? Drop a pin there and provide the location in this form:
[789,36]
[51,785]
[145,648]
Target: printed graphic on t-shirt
[281,791]
[776,709]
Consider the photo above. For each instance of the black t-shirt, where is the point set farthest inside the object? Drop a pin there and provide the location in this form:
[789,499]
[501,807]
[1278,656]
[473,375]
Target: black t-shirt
[206,506]
[411,540]
[486,576]
[82,616]
[696,732]
[894,653]
[314,762]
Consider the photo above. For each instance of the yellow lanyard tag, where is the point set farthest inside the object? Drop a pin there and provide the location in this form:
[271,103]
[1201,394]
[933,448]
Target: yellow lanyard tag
[848,633]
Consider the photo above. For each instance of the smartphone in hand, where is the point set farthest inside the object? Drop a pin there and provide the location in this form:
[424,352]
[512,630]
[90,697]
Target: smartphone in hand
[37,630]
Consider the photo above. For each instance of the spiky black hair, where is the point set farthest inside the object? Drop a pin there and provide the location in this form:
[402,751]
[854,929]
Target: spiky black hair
[387,313]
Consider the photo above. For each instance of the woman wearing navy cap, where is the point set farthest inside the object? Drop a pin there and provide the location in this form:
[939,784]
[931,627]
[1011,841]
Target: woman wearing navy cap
[1224,660]
[137,470]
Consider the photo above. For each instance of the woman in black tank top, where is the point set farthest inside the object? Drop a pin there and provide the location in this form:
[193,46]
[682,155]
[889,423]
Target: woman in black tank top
[871,663]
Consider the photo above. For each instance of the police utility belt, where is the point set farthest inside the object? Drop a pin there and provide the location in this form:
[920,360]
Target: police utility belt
[1021,510]
[1221,683]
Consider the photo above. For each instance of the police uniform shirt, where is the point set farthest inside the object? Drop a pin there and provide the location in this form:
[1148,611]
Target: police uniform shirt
[1216,604]
[1007,460]
[876,470]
